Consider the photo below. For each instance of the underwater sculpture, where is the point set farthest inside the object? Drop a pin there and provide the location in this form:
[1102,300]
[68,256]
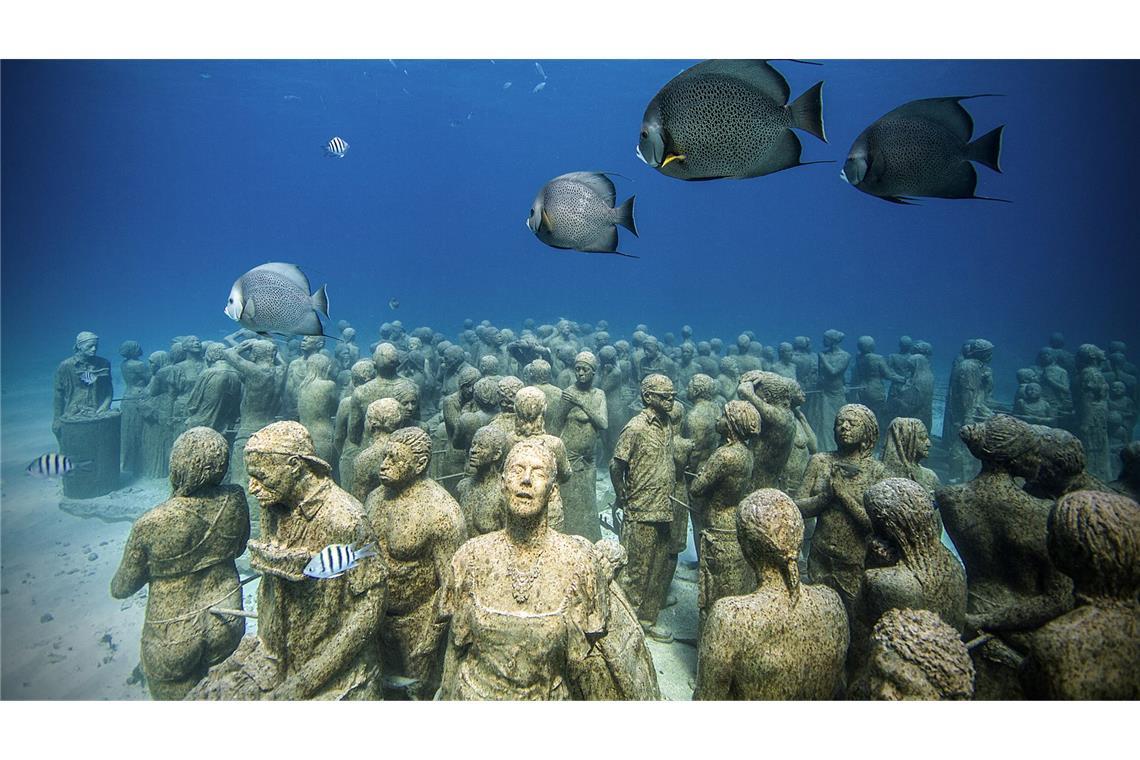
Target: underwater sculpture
[642,472]
[262,376]
[317,401]
[419,527]
[136,376]
[1061,468]
[505,419]
[361,372]
[537,373]
[785,639]
[771,395]
[1033,408]
[383,418]
[83,423]
[82,386]
[831,394]
[721,483]
[296,372]
[184,549]
[1000,533]
[481,492]
[907,444]
[915,655]
[1093,651]
[189,368]
[530,410]
[1129,481]
[525,604]
[316,636]
[1090,397]
[582,419]
[215,399]
[967,401]
[804,447]
[700,427]
[832,491]
[385,385]
[922,383]
[807,364]
[871,374]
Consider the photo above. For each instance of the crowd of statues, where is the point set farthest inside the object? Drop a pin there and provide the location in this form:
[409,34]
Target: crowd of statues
[831,562]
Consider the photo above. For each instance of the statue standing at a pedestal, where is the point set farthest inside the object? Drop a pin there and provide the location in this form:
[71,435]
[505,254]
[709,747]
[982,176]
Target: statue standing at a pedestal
[82,383]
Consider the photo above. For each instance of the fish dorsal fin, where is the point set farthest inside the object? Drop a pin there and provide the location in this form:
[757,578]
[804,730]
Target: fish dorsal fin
[290,272]
[596,181]
[757,73]
[947,112]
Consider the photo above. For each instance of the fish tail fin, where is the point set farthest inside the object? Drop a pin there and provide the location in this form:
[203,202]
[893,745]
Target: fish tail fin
[321,301]
[987,149]
[368,550]
[625,215]
[807,111]
[627,255]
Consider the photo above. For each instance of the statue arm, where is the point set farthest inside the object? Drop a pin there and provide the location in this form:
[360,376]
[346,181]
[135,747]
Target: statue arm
[132,574]
[834,366]
[599,414]
[450,535]
[714,661]
[354,430]
[565,470]
[234,357]
[340,427]
[1028,613]
[710,474]
[618,470]
[815,492]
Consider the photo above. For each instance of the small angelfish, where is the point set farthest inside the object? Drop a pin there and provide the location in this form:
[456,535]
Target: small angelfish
[336,559]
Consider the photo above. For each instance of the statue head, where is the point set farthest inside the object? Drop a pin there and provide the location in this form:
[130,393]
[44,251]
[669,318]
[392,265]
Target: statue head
[282,463]
[832,338]
[856,429]
[86,344]
[488,447]
[908,440]
[489,365]
[902,511]
[739,421]
[1094,538]
[915,655]
[199,458]
[1033,391]
[263,351]
[311,343]
[565,328]
[585,367]
[157,360]
[728,367]
[348,335]
[1089,355]
[922,348]
[1045,357]
[785,352]
[528,479]
[386,358]
[601,338]
[362,372]
[608,355]
[1004,441]
[801,344]
[408,397]
[905,344]
[485,393]
[466,380]
[383,416]
[130,349]
[865,344]
[537,372]
[320,368]
[770,530]
[1057,340]
[980,349]
[1026,375]
[530,406]
[743,341]
[453,356]
[657,394]
[638,338]
[508,387]
[701,387]
[405,457]
[704,348]
[215,352]
[688,351]
[669,339]
[716,345]
[1061,457]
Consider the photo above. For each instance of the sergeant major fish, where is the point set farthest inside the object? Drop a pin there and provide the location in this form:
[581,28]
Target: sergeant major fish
[576,211]
[274,297]
[922,149]
[53,465]
[336,559]
[336,148]
[728,119]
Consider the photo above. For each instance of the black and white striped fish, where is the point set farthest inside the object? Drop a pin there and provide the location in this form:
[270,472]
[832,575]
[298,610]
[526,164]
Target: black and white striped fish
[336,147]
[53,465]
[336,559]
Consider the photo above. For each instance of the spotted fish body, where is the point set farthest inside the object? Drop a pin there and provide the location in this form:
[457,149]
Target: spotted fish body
[275,298]
[336,559]
[922,149]
[576,211]
[727,119]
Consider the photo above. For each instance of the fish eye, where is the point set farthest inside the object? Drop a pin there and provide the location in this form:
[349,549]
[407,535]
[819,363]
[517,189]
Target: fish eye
[231,300]
[644,134]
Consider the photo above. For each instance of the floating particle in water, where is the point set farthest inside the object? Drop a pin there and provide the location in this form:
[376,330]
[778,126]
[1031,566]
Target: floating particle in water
[506,85]
[205,75]
[393,63]
[292,97]
[538,66]
[538,87]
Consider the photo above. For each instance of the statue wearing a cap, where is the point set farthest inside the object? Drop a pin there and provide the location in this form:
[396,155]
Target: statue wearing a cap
[82,383]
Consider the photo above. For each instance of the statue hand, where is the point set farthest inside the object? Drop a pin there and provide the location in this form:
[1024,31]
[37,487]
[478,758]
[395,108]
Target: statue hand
[277,560]
[569,397]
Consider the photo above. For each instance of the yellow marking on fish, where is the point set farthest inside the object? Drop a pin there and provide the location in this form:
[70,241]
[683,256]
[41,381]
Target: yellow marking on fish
[546,220]
[672,157]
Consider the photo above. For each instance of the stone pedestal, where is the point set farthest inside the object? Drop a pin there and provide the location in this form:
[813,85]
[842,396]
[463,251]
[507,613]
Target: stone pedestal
[95,440]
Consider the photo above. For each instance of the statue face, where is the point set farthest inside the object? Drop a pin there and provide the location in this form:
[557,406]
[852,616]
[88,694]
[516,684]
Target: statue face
[848,429]
[271,479]
[923,450]
[482,454]
[88,348]
[660,402]
[893,678]
[651,350]
[527,484]
[397,465]
[409,406]
[584,372]
[193,346]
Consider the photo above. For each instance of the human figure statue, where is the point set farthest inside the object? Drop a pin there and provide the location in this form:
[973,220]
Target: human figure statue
[362,371]
[745,361]
[907,444]
[136,377]
[454,360]
[923,574]
[215,400]
[524,605]
[700,427]
[900,362]
[451,459]
[804,447]
[832,394]
[654,361]
[262,378]
[316,637]
[612,380]
[1033,408]
[82,386]
[537,373]
[158,413]
[1121,402]
[564,359]
[385,385]
[489,367]
[722,481]
[1055,385]
[871,374]
[915,655]
[184,549]
[921,385]
[296,372]
[1061,467]
[1064,357]
[771,395]
[967,401]
[1129,481]
[785,639]
[1091,400]
[505,419]
[1093,651]
[832,491]
[383,418]
[784,365]
[807,364]
[484,411]
[728,379]
[582,419]
[530,410]
[481,491]
[705,361]
[190,367]
[999,531]
[419,527]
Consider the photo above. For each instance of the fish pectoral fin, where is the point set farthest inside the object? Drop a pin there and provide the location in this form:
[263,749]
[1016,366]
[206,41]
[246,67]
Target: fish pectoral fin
[672,157]
[547,224]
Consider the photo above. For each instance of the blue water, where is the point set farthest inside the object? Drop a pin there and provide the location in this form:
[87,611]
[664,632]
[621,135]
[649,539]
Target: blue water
[134,193]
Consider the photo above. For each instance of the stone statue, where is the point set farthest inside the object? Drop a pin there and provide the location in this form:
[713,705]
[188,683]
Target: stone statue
[804,447]
[721,483]
[316,637]
[537,373]
[383,418]
[745,361]
[907,444]
[642,472]
[1055,387]
[505,419]
[419,527]
[728,379]
[190,367]
[1061,467]
[924,574]
[1033,408]
[833,491]
[362,371]
[967,401]
[807,364]
[1129,481]
[215,400]
[450,461]
[999,531]
[158,414]
[832,394]
[785,640]
[82,385]
[185,550]
[298,369]
[481,492]
[700,427]
[900,363]
[385,385]
[1091,399]
[530,408]
[1064,357]
[784,365]
[921,384]
[262,376]
[771,395]
[871,374]
[136,377]
[582,418]
[1092,652]
[915,655]
[525,604]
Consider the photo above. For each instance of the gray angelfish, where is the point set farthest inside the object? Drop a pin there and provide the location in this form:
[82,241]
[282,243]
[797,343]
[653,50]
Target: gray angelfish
[728,119]
[922,149]
[274,298]
[576,211]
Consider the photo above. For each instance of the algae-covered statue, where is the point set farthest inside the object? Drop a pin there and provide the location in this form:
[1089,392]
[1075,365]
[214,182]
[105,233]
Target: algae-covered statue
[1129,481]
[530,410]
[526,604]
[215,399]
[915,655]
[871,374]
[317,401]
[82,384]
[700,427]
[1090,395]
[907,444]
[537,373]
[383,418]
[1000,533]
[824,405]
[361,372]
[1061,468]
[297,371]
[481,493]
[967,401]
[262,375]
[185,550]
[784,640]
[582,418]
[772,396]
[1092,652]
[419,527]
[316,636]
[136,376]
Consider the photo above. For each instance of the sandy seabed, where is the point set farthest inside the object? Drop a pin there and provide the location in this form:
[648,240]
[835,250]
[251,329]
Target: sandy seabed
[62,635]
